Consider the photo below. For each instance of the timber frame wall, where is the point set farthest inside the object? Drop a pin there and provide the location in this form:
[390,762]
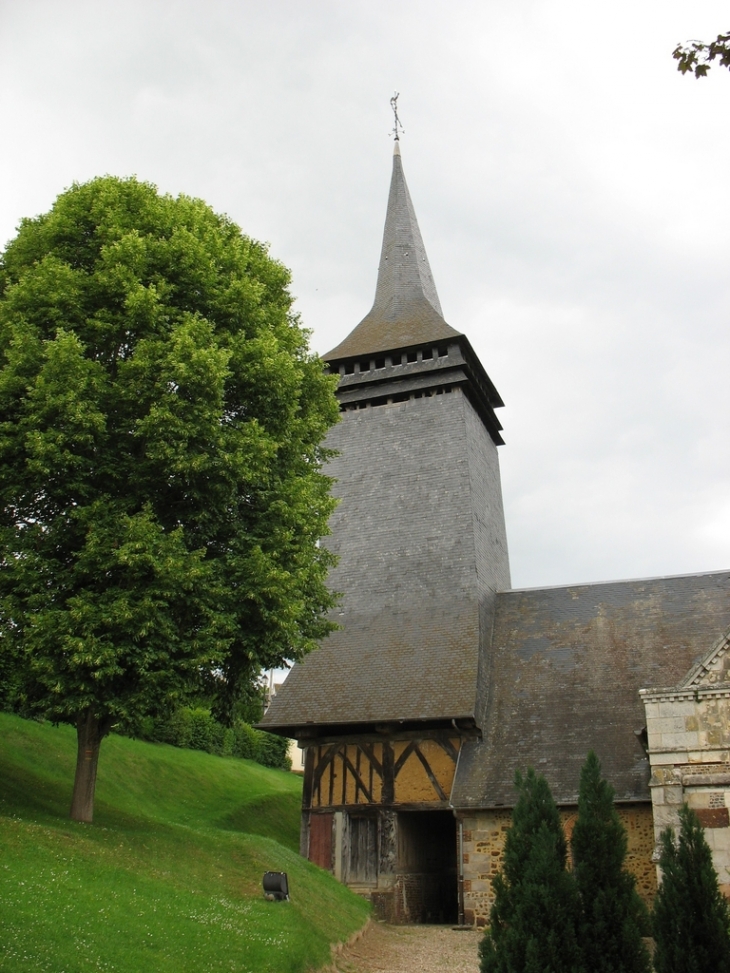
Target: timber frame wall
[416,771]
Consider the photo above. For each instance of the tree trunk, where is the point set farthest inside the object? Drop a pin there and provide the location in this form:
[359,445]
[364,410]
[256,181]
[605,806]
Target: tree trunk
[90,731]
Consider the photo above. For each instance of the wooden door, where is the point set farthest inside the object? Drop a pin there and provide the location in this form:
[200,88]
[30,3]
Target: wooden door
[320,840]
[363,858]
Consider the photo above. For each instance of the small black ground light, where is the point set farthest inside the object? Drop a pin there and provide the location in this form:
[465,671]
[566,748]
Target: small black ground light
[276,886]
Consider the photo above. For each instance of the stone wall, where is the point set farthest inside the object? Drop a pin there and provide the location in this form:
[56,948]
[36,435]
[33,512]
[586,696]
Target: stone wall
[688,730]
[482,847]
[483,840]
[412,899]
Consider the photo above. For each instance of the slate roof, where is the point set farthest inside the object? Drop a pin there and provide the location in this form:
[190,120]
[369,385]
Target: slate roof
[565,669]
[406,311]
[387,667]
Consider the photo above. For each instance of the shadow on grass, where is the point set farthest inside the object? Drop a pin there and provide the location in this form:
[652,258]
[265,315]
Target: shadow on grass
[275,816]
[37,798]
[24,792]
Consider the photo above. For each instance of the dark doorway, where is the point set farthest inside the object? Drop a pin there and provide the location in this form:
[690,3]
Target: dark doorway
[427,866]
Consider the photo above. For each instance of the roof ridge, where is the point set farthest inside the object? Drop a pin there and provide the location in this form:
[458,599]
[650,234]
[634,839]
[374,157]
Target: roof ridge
[640,579]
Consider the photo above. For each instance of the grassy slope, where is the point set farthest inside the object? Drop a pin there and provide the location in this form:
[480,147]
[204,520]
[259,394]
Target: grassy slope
[168,878]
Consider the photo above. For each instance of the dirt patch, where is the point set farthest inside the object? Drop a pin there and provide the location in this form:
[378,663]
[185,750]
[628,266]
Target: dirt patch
[410,949]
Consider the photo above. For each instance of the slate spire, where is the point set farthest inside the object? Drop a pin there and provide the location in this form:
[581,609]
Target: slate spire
[406,310]
[404,274]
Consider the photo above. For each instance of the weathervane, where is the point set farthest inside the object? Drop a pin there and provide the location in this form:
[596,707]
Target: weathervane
[396,123]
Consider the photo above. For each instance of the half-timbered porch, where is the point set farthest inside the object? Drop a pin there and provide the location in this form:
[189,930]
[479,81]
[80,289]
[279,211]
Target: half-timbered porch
[376,813]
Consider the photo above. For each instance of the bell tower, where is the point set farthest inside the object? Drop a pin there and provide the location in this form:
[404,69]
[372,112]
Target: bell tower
[419,530]
[433,462]
[384,705]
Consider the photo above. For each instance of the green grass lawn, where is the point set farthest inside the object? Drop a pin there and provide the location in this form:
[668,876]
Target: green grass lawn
[168,877]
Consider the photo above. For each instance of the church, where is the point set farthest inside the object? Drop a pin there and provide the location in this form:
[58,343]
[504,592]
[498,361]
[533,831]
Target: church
[442,679]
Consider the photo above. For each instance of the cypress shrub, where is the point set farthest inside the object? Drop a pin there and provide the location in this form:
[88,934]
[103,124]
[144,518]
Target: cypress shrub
[613,917]
[536,911]
[141,728]
[177,729]
[216,736]
[691,918]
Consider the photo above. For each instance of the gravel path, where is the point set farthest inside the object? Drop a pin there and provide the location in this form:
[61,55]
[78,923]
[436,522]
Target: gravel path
[410,949]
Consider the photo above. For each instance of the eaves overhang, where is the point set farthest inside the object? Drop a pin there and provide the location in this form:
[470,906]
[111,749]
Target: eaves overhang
[326,732]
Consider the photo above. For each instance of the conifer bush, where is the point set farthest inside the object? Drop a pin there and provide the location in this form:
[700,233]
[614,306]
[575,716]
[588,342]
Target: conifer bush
[691,916]
[613,917]
[536,912]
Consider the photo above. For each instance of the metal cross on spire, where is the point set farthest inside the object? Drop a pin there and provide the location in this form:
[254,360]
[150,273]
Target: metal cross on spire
[396,123]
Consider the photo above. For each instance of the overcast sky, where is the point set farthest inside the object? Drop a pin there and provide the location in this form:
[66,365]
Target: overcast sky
[573,192]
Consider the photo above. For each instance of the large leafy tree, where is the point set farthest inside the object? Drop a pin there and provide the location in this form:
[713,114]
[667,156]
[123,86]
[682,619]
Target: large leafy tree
[534,919]
[691,918]
[613,915]
[161,484]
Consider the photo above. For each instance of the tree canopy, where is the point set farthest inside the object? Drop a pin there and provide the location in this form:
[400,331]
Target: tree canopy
[161,427]
[696,57]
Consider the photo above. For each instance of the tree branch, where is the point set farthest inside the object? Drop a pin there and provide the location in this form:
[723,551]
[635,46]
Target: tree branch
[696,57]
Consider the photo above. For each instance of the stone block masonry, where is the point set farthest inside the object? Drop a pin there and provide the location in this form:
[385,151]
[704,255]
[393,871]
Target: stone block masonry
[688,730]
[484,835]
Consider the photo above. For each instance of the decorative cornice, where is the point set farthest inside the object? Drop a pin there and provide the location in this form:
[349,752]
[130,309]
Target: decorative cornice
[704,668]
[676,693]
